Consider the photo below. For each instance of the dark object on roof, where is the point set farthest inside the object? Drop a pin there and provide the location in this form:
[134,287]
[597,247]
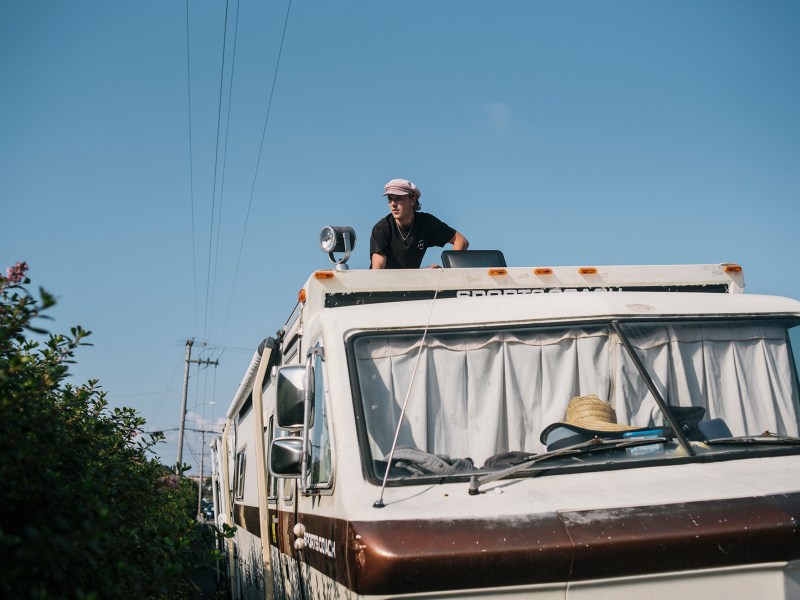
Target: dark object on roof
[465,259]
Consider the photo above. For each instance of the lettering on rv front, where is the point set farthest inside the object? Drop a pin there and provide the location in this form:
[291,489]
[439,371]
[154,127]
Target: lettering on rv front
[478,293]
[320,544]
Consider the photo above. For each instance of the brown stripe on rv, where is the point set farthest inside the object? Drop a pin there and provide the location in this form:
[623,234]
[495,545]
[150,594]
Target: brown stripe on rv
[426,555]
[684,536]
[246,517]
[430,555]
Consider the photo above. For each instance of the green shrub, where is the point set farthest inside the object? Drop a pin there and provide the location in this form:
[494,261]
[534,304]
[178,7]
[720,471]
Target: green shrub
[86,511]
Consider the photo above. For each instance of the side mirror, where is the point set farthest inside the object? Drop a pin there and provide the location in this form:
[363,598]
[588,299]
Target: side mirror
[286,457]
[291,391]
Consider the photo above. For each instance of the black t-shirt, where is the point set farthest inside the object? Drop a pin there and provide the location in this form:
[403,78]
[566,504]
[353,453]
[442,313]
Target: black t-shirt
[405,249]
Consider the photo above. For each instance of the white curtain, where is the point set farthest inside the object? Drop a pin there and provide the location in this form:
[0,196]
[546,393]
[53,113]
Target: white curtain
[742,374]
[476,394]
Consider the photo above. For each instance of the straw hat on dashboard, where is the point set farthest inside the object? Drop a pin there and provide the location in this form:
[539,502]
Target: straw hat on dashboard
[587,417]
[590,412]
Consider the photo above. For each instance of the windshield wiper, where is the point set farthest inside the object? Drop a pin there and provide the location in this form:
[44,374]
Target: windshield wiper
[593,445]
[637,362]
[749,440]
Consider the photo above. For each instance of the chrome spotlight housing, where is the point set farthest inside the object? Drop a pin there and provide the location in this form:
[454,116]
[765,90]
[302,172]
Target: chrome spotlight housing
[337,239]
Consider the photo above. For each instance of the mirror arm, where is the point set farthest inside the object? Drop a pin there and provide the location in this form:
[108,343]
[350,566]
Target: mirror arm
[307,400]
[306,415]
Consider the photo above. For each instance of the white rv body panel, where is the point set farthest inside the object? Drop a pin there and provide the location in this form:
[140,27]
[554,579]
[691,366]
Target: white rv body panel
[769,580]
[248,580]
[432,538]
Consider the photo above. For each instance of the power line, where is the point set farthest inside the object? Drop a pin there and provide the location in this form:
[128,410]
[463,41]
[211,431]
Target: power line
[185,429]
[161,393]
[258,164]
[191,165]
[216,162]
[225,151]
[191,451]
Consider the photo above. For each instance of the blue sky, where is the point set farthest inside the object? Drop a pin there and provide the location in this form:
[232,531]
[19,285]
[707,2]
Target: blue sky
[560,132]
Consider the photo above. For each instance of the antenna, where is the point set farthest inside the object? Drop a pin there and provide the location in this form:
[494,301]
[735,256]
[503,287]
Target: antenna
[379,502]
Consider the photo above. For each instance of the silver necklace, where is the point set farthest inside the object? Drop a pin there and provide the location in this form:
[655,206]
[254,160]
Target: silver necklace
[400,231]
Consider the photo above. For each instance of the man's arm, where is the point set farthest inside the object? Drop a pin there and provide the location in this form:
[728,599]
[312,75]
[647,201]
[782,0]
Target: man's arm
[459,243]
[378,261]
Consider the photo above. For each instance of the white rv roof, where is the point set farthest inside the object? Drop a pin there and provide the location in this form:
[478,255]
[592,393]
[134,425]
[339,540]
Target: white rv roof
[546,308]
[331,288]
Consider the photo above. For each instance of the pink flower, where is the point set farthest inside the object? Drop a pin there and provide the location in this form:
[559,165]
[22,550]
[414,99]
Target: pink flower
[16,273]
[168,482]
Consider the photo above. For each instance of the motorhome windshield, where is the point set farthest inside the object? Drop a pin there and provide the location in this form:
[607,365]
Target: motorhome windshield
[484,400]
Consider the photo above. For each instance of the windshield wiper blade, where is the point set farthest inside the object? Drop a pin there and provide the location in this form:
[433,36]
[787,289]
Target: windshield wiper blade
[748,440]
[593,445]
[637,362]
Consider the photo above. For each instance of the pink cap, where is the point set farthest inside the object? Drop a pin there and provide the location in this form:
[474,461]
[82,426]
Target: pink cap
[401,187]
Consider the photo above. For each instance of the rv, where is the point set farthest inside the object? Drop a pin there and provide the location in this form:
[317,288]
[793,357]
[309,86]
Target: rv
[481,430]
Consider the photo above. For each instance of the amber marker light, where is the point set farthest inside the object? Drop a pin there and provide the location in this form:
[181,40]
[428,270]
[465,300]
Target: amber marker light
[497,272]
[301,296]
[323,275]
[543,271]
[732,268]
[588,270]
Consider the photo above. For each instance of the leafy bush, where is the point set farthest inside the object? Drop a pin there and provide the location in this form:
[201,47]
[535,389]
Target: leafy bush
[85,509]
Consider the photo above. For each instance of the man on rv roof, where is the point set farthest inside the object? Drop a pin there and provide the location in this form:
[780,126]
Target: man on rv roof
[400,239]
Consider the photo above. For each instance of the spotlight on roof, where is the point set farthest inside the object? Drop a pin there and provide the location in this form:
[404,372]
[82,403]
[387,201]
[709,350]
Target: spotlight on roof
[337,239]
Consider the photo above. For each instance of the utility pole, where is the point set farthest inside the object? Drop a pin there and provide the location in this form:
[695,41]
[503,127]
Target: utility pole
[183,405]
[189,360]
